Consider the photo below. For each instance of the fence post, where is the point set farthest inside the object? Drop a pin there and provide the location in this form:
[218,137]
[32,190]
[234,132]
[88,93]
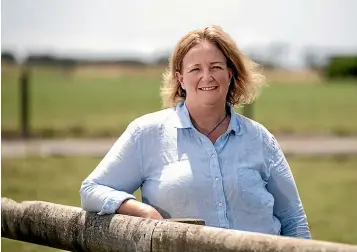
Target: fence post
[24,103]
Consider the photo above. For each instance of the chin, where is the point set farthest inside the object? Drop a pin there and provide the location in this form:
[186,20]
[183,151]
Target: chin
[211,102]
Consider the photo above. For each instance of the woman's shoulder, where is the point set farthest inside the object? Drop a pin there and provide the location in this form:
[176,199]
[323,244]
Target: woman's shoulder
[249,125]
[153,120]
[253,129]
[255,132]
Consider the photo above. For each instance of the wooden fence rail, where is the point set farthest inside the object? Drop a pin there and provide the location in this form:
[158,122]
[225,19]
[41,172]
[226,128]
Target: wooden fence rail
[71,228]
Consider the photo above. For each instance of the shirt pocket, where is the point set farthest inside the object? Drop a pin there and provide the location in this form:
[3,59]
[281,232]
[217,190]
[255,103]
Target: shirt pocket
[253,191]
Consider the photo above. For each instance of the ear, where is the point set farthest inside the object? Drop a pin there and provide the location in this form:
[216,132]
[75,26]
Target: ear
[180,79]
[230,74]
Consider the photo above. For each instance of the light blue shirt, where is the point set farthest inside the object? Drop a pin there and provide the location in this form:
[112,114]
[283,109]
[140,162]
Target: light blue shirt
[242,181]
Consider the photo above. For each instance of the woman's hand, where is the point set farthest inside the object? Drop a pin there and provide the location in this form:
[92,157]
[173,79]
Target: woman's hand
[151,213]
[135,208]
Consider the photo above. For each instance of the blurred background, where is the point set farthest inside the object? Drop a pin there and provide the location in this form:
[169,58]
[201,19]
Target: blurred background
[84,69]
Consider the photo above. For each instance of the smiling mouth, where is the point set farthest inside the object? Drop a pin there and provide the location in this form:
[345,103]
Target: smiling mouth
[208,88]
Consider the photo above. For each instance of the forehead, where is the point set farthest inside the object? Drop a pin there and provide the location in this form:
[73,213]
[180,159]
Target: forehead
[203,52]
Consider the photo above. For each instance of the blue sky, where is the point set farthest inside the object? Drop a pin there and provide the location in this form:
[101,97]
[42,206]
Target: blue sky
[144,27]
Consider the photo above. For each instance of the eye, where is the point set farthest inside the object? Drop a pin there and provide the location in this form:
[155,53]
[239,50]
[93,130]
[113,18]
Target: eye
[194,69]
[217,67]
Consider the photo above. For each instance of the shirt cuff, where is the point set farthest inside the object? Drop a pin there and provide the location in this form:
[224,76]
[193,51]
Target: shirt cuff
[111,204]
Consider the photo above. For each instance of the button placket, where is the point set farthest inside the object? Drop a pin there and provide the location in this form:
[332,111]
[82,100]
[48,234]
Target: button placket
[218,188]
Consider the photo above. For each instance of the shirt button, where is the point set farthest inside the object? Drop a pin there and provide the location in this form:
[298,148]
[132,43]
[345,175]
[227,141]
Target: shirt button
[217,179]
[220,204]
[213,155]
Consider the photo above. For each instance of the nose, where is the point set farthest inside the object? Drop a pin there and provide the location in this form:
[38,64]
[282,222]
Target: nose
[207,76]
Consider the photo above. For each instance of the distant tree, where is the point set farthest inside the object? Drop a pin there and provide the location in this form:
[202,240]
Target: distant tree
[312,58]
[277,53]
[42,59]
[341,66]
[8,57]
[162,60]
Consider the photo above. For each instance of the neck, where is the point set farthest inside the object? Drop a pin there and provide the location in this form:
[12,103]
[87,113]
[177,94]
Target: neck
[206,117]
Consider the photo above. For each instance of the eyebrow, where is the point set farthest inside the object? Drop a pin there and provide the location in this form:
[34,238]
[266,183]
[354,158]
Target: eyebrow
[217,62]
[212,63]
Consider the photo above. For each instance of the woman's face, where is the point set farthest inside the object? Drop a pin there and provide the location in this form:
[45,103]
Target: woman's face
[205,76]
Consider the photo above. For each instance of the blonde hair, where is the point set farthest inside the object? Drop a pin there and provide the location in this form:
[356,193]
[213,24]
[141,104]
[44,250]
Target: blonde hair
[246,81]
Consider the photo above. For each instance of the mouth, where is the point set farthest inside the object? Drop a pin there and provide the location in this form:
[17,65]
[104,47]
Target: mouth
[208,88]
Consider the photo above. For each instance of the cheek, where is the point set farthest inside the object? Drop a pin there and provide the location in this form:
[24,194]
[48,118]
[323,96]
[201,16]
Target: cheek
[222,78]
[190,80]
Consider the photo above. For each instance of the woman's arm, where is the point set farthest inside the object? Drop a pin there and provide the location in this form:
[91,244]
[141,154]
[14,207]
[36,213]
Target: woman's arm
[137,208]
[109,188]
[288,207]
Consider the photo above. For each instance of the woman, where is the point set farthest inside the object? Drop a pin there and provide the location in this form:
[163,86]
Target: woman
[198,158]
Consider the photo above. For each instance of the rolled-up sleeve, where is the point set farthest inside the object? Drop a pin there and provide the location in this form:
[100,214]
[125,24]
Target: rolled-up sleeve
[288,207]
[116,177]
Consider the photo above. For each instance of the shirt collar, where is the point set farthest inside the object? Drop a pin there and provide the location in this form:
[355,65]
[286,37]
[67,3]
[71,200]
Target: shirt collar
[182,119]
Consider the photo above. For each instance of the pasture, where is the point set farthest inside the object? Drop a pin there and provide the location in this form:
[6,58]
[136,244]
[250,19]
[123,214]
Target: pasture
[95,102]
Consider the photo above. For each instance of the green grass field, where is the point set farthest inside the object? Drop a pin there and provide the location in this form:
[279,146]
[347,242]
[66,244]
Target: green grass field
[90,105]
[326,187]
